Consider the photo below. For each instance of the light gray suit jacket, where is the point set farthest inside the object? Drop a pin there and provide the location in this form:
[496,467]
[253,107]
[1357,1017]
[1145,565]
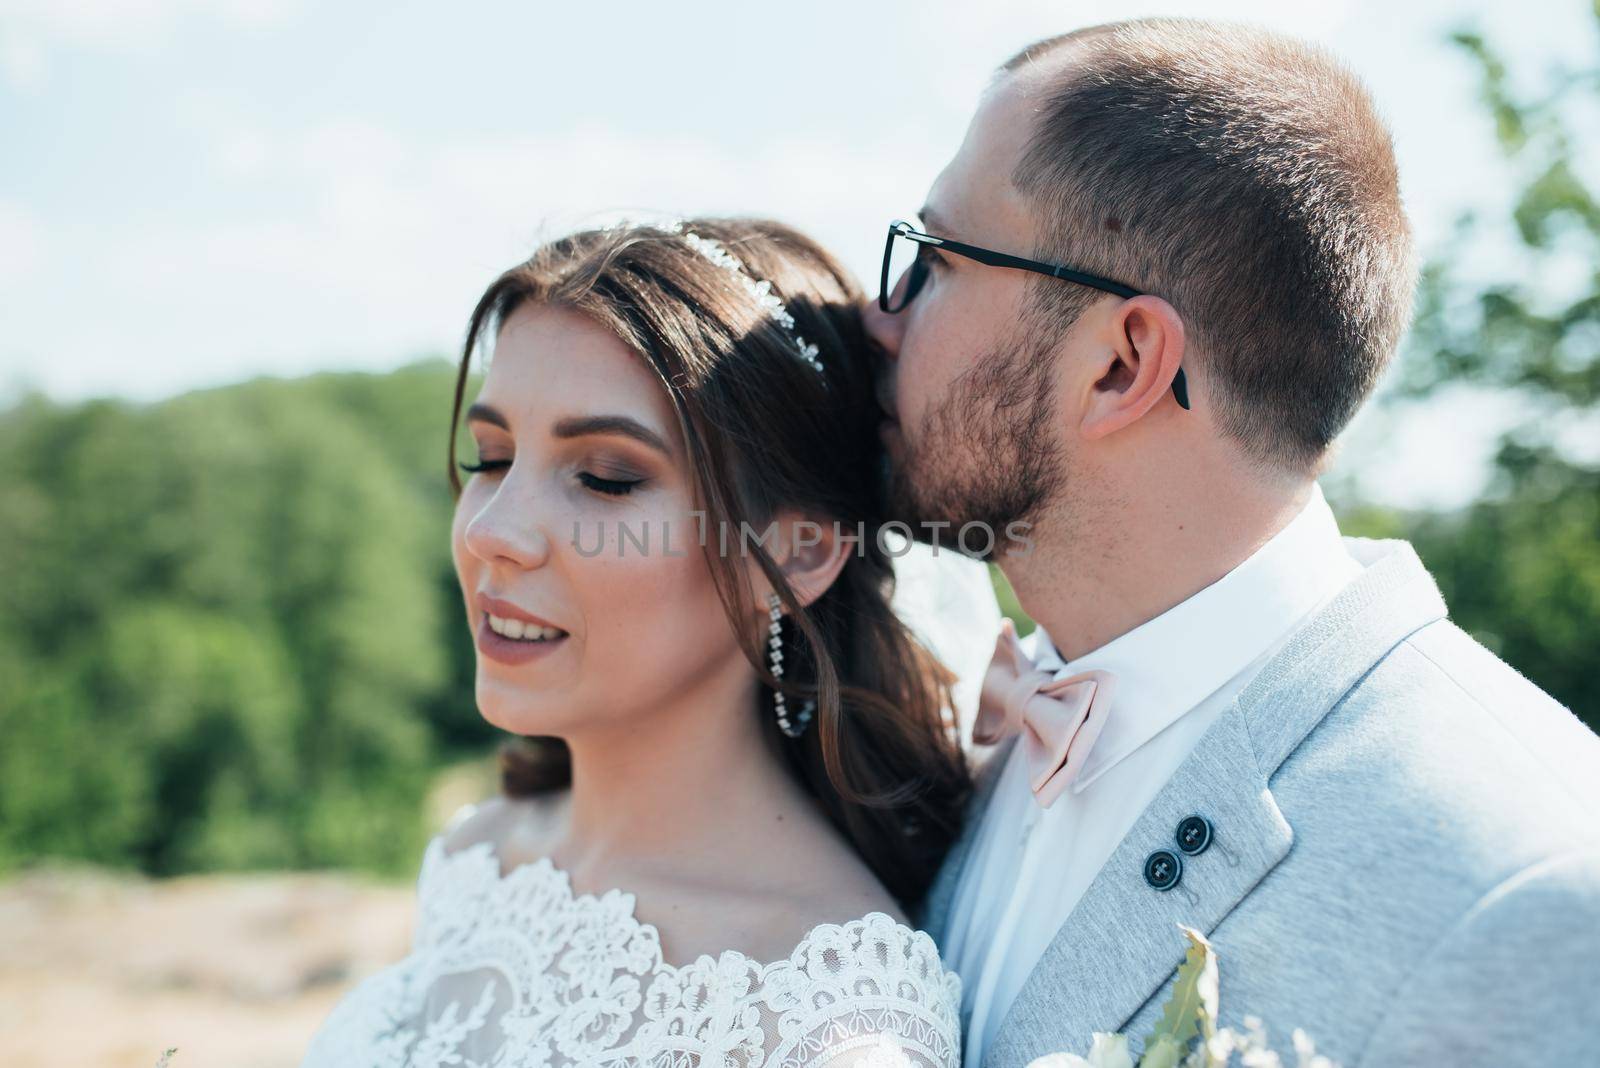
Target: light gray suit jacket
[1412,861]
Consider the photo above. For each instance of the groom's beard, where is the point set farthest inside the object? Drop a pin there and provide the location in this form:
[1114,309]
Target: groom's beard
[984,454]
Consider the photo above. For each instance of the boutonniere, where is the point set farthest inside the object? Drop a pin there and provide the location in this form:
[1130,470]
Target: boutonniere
[1187,1035]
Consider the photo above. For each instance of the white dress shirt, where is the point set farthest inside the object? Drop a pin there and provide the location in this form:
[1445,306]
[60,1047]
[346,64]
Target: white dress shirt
[1028,866]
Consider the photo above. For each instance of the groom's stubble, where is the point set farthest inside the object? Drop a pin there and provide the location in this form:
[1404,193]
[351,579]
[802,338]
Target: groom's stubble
[989,452]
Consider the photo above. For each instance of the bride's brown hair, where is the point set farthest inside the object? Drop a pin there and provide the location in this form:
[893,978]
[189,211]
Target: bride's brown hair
[766,431]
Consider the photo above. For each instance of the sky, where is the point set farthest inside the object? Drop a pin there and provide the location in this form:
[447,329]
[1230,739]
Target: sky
[195,192]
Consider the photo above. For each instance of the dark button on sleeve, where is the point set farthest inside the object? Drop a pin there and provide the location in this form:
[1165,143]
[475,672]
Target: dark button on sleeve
[1163,869]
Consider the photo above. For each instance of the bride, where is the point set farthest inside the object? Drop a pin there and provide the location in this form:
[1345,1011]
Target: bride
[736,772]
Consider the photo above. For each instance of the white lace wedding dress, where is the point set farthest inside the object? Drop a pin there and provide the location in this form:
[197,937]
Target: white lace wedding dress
[516,971]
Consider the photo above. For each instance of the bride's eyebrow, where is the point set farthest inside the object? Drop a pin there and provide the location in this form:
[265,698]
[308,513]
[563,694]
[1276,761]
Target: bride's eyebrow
[484,413]
[579,426]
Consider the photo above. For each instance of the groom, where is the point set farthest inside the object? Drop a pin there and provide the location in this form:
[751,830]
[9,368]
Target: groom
[1390,837]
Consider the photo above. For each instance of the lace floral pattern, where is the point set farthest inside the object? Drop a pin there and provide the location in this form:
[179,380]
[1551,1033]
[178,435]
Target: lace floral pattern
[516,971]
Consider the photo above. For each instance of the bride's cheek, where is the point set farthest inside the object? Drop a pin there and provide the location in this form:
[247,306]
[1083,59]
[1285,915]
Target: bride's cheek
[652,583]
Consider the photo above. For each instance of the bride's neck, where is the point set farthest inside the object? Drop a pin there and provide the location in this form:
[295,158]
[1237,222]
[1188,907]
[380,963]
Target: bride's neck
[691,776]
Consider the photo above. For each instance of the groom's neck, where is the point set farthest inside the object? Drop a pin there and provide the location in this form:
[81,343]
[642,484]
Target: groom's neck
[1098,569]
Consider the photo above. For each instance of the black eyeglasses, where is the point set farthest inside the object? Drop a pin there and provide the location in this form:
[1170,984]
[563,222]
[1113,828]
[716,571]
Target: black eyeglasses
[909,280]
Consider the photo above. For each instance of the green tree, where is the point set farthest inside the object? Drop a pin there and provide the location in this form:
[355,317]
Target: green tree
[228,638]
[1520,568]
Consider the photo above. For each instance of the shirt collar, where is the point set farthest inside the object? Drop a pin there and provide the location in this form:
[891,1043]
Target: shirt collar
[1172,663]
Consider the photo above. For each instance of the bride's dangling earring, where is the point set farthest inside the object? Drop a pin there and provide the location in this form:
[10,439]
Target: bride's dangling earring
[796,726]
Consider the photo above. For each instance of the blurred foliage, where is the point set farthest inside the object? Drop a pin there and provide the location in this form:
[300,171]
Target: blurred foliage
[1010,607]
[1520,568]
[231,632]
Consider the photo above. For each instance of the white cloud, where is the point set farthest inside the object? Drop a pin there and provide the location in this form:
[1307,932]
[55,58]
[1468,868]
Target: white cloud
[22,62]
[121,24]
[241,153]
[389,240]
[33,32]
[22,242]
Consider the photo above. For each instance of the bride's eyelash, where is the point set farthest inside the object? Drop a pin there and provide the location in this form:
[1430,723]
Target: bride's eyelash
[610,486]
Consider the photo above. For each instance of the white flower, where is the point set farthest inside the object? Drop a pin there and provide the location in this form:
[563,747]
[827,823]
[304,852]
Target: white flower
[1306,1050]
[1108,1051]
[1252,1045]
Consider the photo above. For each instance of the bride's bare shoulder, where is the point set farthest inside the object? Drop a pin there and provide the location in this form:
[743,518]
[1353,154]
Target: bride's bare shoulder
[519,828]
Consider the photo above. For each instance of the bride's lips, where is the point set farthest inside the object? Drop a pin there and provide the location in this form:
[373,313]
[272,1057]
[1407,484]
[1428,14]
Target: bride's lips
[511,651]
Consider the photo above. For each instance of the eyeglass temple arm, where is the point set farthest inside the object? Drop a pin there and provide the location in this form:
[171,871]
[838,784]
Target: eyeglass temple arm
[1180,383]
[1003,259]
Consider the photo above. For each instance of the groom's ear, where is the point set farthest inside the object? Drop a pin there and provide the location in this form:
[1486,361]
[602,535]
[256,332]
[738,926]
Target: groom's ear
[810,552]
[1141,351]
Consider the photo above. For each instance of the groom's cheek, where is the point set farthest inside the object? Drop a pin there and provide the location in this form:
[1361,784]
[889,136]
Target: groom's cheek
[1017,541]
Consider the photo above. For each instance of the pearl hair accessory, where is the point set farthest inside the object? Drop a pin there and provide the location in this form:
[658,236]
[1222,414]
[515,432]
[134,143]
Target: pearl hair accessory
[795,727]
[760,290]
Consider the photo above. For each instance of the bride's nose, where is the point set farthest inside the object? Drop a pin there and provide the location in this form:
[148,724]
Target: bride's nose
[508,531]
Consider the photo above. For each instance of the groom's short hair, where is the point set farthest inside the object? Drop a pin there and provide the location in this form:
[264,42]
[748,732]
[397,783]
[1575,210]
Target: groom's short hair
[1246,178]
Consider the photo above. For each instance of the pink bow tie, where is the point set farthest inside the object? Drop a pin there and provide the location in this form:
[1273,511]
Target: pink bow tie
[1059,718]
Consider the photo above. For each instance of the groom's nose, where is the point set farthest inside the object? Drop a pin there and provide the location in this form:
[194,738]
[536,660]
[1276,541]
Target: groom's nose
[884,328]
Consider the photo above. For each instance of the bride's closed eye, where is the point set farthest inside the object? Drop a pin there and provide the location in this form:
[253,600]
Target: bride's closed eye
[611,487]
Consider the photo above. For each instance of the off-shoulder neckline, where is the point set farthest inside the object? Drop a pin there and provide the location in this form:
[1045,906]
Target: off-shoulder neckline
[483,861]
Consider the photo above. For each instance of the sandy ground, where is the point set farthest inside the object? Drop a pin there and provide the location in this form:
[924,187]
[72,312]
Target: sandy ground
[236,971]
[104,969]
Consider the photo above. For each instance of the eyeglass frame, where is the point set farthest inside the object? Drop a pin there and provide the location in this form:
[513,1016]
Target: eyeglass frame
[901,228]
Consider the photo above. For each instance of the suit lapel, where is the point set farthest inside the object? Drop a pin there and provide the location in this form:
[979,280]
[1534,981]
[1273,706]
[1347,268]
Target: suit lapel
[1121,944]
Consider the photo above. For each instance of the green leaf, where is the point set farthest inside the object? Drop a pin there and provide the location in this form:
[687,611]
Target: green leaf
[1161,1052]
[1191,1010]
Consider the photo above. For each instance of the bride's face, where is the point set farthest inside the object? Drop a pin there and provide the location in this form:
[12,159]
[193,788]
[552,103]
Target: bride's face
[587,475]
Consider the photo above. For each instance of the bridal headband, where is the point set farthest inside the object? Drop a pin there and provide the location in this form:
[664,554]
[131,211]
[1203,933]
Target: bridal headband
[759,289]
